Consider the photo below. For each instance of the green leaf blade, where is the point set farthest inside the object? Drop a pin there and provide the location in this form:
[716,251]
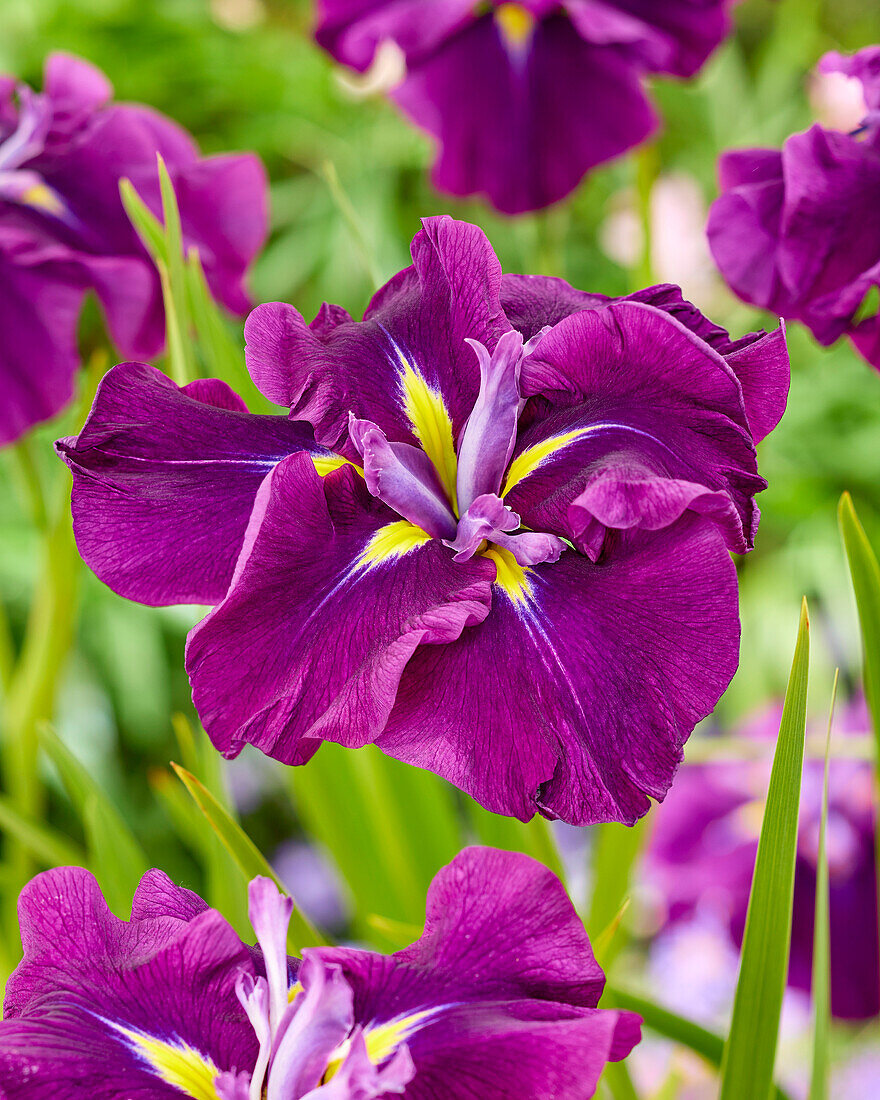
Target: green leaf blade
[247,856]
[750,1050]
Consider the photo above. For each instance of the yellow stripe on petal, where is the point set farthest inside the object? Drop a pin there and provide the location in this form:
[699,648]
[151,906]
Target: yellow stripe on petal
[326,464]
[43,198]
[392,541]
[381,1042]
[178,1065]
[510,576]
[533,457]
[432,426]
[515,22]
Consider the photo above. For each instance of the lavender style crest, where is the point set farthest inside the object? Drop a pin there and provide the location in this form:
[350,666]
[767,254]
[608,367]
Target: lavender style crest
[524,98]
[497,998]
[492,537]
[64,231]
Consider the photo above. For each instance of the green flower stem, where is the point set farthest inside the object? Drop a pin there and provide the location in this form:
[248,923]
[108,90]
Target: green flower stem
[647,168]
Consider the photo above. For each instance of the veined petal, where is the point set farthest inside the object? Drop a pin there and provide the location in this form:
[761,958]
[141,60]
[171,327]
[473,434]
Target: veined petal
[322,616]
[524,148]
[155,462]
[622,659]
[104,1007]
[406,366]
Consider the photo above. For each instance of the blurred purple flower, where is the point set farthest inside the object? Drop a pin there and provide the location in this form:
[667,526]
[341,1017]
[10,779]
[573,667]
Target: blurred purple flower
[523,485]
[303,868]
[798,231]
[63,229]
[498,997]
[524,98]
[702,853]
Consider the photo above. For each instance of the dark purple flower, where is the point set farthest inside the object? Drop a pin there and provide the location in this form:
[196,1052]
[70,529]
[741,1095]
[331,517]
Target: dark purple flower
[498,998]
[524,98]
[63,229]
[798,231]
[703,847]
[515,569]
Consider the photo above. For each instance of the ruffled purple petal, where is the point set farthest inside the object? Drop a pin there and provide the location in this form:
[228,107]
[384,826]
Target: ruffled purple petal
[39,308]
[351,30]
[322,616]
[622,659]
[674,37]
[417,323]
[154,460]
[88,981]
[640,399]
[523,147]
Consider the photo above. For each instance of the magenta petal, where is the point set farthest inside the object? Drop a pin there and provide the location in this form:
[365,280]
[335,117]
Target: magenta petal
[86,975]
[602,725]
[418,321]
[154,461]
[524,147]
[312,638]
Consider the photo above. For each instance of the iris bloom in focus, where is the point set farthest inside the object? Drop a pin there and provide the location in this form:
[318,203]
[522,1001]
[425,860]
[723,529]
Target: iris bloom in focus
[703,847]
[524,98]
[798,230]
[497,998]
[64,231]
[492,537]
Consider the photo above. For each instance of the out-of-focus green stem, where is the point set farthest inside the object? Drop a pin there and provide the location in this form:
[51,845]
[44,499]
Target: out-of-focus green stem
[344,205]
[647,169]
[619,1082]
[32,687]
[29,476]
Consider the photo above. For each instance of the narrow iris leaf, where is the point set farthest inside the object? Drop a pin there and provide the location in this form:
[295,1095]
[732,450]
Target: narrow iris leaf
[115,857]
[679,1029]
[113,853]
[45,844]
[821,984]
[146,224]
[615,851]
[750,1050]
[247,856]
[865,573]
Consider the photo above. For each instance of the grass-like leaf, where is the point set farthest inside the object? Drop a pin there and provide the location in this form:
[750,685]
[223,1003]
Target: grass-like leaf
[865,573]
[750,1050]
[247,856]
[113,852]
[681,1030]
[821,984]
[45,844]
[615,851]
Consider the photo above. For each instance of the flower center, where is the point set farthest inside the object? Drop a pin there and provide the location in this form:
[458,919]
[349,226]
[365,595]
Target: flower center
[306,1031]
[516,24]
[405,478]
[22,185]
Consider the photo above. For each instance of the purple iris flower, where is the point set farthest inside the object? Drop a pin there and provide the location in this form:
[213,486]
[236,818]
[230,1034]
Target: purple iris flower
[798,230]
[63,229]
[492,537]
[524,98]
[702,854]
[498,997]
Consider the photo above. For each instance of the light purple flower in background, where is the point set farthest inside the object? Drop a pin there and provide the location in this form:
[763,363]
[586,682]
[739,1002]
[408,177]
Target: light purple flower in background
[797,231]
[63,229]
[702,853]
[498,998]
[524,98]
[499,548]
